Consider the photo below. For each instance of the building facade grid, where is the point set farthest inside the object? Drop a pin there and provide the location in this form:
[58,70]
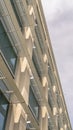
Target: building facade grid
[31,96]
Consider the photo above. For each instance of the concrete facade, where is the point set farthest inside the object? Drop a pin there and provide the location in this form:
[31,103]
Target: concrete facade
[31,82]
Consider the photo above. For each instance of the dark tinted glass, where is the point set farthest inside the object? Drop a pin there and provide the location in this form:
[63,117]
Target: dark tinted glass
[36,66]
[16,13]
[7,49]
[33,104]
[3,111]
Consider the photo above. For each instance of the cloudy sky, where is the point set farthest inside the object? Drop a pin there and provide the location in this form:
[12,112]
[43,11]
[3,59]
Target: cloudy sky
[59,17]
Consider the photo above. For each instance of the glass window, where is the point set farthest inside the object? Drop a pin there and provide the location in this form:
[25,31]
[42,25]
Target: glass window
[40,21]
[39,37]
[7,49]
[36,66]
[34,106]
[3,111]
[50,124]
[16,13]
[50,100]
[50,75]
[20,13]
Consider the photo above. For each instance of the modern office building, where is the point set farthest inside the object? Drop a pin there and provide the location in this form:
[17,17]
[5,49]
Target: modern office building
[31,96]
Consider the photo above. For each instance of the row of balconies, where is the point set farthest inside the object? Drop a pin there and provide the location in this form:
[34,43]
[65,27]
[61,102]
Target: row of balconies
[12,61]
[34,106]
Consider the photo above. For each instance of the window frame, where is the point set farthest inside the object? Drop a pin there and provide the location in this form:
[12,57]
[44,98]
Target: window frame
[13,53]
[37,118]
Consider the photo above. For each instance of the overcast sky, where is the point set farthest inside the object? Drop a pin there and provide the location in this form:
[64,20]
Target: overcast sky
[59,17]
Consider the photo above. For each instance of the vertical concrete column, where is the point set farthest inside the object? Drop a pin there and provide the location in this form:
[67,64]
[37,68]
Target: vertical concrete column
[20,118]
[25,83]
[10,118]
[32,15]
[29,40]
[65,126]
[23,78]
[44,119]
[40,118]
[29,44]
[45,123]
[21,124]
[45,86]
[45,59]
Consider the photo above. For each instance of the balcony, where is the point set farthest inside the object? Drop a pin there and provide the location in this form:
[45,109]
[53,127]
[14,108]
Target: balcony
[50,100]
[10,28]
[36,67]
[13,91]
[40,22]
[59,101]
[20,14]
[50,74]
[64,118]
[39,38]
[50,125]
[38,63]
[60,122]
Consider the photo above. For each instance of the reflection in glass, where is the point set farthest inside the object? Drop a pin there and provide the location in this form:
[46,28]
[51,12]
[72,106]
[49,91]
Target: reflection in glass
[33,104]
[7,49]
[3,111]
[1,121]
